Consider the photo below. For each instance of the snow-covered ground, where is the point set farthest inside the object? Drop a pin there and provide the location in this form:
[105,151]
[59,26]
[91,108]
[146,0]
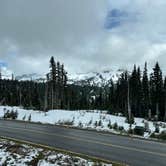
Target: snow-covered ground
[12,154]
[96,120]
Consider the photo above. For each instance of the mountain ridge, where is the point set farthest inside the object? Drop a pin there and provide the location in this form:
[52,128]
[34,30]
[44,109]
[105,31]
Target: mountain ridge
[89,78]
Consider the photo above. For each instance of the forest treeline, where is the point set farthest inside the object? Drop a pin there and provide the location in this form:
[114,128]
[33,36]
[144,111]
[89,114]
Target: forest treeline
[146,93]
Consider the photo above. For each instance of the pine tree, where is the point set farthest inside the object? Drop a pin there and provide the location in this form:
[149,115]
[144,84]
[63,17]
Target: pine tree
[52,68]
[133,91]
[145,87]
[100,99]
[124,88]
[157,87]
[111,96]
[55,87]
[139,111]
[35,97]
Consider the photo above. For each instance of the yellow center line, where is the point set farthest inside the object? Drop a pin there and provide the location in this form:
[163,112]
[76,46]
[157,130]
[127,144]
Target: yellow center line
[88,141]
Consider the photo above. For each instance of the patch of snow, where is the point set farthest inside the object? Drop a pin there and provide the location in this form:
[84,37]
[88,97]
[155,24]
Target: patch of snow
[6,73]
[28,154]
[93,119]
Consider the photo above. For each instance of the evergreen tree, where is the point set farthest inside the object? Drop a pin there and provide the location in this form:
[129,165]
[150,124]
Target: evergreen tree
[157,90]
[36,98]
[139,111]
[56,86]
[52,68]
[136,92]
[145,88]
[133,91]
[111,96]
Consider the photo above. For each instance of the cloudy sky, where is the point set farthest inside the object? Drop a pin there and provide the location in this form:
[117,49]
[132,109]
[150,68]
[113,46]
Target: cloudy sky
[85,35]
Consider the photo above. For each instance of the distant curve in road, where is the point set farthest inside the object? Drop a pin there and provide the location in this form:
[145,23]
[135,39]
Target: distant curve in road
[135,152]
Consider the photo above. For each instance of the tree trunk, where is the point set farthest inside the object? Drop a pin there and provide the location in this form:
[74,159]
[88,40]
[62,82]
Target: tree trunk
[157,111]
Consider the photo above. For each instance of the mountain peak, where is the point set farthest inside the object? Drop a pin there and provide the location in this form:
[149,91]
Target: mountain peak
[95,78]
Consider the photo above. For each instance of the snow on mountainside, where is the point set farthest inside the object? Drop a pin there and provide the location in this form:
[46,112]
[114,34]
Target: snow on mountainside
[96,78]
[90,78]
[29,77]
[6,74]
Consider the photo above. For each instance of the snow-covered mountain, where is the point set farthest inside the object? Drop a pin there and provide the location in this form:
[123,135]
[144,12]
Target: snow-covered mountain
[32,76]
[6,73]
[89,78]
[96,78]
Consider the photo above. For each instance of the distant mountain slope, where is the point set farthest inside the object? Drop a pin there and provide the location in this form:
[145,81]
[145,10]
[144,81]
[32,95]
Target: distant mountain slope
[90,78]
[32,76]
[96,78]
[5,73]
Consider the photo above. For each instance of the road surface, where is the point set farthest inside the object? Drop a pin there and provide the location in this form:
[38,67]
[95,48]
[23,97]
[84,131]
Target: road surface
[135,152]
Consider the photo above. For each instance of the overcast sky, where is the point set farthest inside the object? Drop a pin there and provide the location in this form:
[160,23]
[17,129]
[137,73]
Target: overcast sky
[86,35]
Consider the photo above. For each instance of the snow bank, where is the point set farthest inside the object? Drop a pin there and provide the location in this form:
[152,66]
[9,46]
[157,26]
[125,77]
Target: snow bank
[97,120]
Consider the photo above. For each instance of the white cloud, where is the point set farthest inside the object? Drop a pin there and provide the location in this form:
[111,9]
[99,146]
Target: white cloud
[73,31]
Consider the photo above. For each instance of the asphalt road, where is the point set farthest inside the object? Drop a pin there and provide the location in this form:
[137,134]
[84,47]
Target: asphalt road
[135,152]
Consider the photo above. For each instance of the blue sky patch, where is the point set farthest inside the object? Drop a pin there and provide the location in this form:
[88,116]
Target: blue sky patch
[116,18]
[3,64]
